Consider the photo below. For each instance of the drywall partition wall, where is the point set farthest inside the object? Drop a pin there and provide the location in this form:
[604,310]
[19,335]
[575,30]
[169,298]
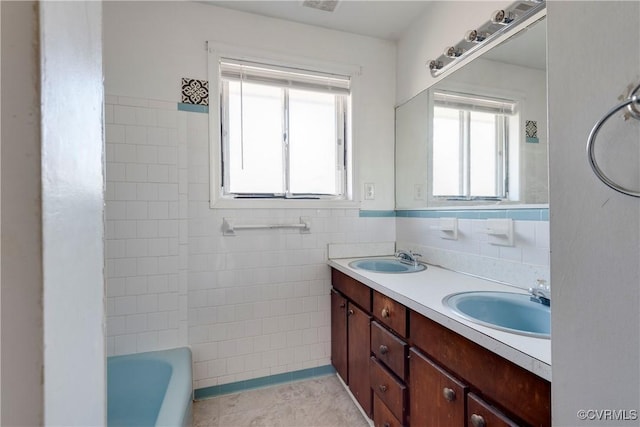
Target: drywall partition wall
[150,46]
[73,213]
[595,232]
[21,230]
[444,25]
[255,304]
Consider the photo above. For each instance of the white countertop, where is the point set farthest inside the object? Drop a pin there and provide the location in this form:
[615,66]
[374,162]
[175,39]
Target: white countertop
[423,292]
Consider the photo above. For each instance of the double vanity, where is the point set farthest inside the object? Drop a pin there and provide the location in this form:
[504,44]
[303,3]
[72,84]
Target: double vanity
[432,347]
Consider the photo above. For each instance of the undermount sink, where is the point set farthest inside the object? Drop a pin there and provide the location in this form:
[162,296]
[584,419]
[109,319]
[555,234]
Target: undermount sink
[382,265]
[505,311]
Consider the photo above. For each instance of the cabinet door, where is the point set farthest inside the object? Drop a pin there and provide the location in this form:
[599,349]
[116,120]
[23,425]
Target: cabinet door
[481,414]
[359,339]
[436,398]
[339,334]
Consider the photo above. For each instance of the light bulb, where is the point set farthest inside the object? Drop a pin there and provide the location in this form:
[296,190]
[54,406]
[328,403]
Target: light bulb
[474,36]
[435,65]
[452,52]
[502,17]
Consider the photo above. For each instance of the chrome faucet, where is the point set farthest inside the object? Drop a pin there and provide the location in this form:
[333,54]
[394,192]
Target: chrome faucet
[408,257]
[541,293]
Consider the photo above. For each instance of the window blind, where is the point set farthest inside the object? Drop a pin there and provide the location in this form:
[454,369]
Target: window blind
[468,102]
[253,72]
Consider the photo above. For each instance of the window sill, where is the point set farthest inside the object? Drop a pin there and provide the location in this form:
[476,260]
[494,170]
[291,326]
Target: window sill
[283,204]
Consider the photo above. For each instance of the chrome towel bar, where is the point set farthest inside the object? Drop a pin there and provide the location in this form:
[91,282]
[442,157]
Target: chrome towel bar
[632,103]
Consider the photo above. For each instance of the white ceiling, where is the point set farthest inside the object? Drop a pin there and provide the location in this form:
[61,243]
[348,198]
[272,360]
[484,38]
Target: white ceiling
[374,18]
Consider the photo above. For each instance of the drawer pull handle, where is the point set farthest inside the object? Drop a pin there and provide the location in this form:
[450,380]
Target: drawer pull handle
[478,421]
[385,313]
[386,424]
[342,305]
[382,388]
[384,349]
[351,312]
[449,394]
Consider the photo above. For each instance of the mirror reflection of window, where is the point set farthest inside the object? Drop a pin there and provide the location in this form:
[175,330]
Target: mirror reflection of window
[470,146]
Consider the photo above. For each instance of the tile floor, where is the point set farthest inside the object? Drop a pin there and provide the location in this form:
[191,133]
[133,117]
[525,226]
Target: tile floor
[316,402]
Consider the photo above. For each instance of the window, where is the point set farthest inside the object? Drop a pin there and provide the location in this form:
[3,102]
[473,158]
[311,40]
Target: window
[283,131]
[470,144]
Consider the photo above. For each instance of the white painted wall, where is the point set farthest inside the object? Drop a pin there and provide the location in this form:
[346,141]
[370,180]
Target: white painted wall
[150,46]
[72,213]
[595,232]
[21,231]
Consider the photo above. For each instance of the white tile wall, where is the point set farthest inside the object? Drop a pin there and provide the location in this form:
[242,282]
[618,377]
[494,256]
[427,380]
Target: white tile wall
[143,213]
[520,265]
[259,301]
[251,305]
[255,304]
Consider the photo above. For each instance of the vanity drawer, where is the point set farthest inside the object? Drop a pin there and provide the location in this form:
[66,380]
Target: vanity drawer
[352,289]
[391,391]
[391,313]
[382,416]
[389,349]
[485,415]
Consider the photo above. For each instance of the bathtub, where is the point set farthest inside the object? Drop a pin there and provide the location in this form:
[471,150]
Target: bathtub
[150,389]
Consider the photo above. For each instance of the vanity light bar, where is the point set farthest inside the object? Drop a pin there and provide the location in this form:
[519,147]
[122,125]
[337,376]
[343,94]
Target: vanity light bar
[501,22]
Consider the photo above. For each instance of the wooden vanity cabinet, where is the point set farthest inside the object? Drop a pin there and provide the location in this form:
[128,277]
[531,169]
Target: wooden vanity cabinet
[351,336]
[510,389]
[406,369]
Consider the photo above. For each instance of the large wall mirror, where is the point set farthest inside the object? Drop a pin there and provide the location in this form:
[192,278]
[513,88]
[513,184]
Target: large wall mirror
[478,137]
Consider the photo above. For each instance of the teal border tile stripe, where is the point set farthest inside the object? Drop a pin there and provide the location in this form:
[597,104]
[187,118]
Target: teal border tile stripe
[193,108]
[515,214]
[217,390]
[377,214]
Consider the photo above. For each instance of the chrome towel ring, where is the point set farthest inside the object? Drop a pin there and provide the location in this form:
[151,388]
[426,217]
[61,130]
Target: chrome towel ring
[632,103]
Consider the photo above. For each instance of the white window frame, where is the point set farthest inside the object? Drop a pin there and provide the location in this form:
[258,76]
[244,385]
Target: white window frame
[512,146]
[216,51]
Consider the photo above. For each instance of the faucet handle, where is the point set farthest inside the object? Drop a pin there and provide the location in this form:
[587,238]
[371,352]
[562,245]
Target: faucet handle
[541,293]
[415,253]
[542,285]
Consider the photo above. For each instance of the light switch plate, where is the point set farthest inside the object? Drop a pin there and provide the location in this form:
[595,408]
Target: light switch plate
[369,191]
